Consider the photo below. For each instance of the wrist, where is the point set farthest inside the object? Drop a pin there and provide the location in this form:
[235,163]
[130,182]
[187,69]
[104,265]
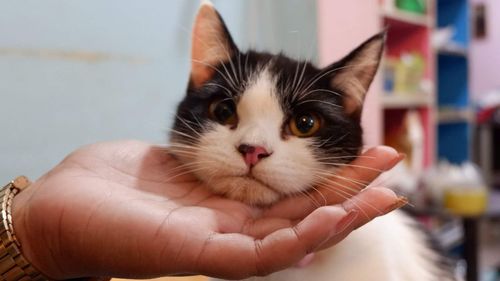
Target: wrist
[32,243]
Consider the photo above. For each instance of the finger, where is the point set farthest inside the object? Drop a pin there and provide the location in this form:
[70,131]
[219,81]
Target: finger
[262,227]
[369,204]
[344,184]
[237,256]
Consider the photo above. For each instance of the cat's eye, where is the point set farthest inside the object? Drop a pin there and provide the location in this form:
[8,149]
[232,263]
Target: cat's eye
[304,125]
[224,112]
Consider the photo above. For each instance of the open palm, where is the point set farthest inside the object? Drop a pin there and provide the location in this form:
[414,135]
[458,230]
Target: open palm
[127,209]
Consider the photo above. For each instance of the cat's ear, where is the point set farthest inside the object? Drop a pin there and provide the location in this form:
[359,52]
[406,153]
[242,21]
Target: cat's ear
[353,74]
[211,44]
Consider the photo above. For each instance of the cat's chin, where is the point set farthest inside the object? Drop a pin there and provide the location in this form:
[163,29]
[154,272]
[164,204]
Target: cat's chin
[245,189]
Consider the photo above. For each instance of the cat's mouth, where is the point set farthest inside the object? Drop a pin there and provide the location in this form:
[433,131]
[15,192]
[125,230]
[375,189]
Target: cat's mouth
[246,188]
[251,177]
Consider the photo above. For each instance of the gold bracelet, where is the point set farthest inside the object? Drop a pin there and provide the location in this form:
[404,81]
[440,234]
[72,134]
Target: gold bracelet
[13,265]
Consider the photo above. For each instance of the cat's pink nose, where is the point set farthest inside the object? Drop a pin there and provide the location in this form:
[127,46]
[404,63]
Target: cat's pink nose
[252,154]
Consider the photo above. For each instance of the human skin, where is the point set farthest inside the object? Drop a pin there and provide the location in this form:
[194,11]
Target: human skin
[126,209]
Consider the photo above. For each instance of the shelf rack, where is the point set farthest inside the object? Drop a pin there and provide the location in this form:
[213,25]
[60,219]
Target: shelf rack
[410,33]
[455,110]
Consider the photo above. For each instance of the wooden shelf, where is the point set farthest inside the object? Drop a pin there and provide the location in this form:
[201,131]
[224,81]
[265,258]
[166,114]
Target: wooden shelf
[409,18]
[403,100]
[455,115]
[452,51]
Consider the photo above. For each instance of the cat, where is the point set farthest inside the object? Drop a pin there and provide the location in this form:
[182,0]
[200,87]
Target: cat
[257,127]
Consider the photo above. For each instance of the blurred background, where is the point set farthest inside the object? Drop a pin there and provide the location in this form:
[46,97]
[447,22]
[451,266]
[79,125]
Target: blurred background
[82,71]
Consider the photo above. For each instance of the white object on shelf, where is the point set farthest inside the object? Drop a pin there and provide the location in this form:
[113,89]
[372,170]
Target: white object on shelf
[453,50]
[404,176]
[403,100]
[416,138]
[442,36]
[443,43]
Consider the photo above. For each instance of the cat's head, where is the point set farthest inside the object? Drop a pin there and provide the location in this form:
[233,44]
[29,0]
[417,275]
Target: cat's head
[257,127]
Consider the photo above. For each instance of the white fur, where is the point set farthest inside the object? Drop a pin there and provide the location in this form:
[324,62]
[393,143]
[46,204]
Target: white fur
[386,249]
[290,168]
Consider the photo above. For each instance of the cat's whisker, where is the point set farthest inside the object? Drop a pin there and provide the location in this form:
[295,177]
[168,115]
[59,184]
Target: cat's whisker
[211,175]
[359,182]
[190,171]
[306,61]
[318,76]
[182,170]
[311,197]
[295,77]
[227,54]
[319,101]
[197,120]
[353,148]
[301,81]
[348,194]
[291,87]
[353,181]
[183,152]
[365,203]
[194,153]
[226,90]
[227,99]
[347,189]
[187,148]
[214,158]
[239,69]
[354,166]
[345,157]
[185,167]
[329,172]
[183,134]
[247,71]
[186,123]
[306,94]
[183,146]
[225,50]
[330,138]
[322,91]
[326,179]
[207,46]
[224,76]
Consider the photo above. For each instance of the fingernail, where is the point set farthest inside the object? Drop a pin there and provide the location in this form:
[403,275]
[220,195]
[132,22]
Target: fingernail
[305,261]
[341,226]
[396,160]
[400,202]
[345,222]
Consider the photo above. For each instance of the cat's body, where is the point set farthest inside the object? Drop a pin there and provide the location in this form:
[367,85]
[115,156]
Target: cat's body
[389,248]
[375,252]
[257,127]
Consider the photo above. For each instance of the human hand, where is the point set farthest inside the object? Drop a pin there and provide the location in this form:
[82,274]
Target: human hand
[114,209]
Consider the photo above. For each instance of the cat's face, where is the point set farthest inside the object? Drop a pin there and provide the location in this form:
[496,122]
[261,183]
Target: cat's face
[256,127]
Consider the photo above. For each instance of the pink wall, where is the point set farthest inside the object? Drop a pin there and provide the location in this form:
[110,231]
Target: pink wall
[485,54]
[342,26]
